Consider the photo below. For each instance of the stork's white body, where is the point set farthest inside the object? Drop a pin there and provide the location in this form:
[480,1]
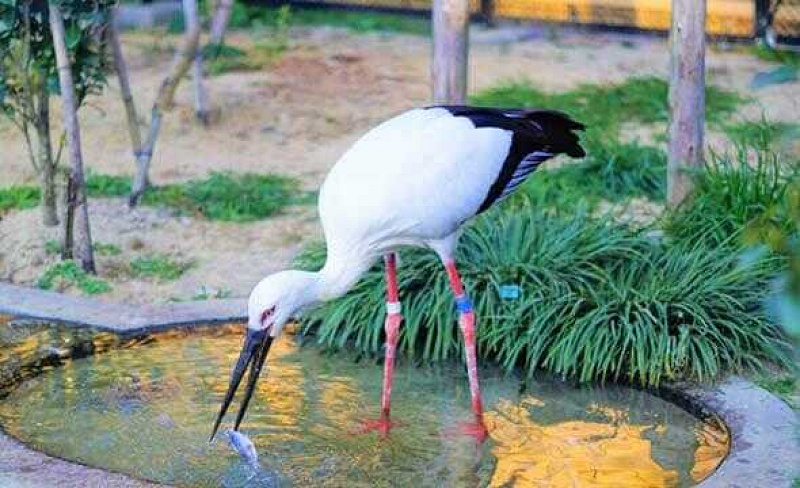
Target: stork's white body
[412,180]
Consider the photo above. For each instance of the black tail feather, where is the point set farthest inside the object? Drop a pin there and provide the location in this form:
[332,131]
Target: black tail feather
[559,130]
[552,130]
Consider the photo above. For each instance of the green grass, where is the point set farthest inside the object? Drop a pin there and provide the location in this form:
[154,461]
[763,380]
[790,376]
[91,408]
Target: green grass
[598,302]
[734,195]
[159,267]
[605,108]
[104,249]
[223,59]
[52,247]
[762,134]
[221,196]
[785,386]
[19,197]
[106,186]
[69,273]
[257,17]
[229,197]
[365,21]
[205,293]
[766,53]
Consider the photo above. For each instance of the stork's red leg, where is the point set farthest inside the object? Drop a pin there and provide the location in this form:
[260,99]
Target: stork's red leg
[392,327]
[467,324]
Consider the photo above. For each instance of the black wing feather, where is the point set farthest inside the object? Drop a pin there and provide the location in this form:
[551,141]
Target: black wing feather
[538,135]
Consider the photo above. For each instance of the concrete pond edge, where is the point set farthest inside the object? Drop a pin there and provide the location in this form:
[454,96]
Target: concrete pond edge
[765,431]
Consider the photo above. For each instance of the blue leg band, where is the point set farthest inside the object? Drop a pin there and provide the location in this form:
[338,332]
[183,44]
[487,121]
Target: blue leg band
[463,304]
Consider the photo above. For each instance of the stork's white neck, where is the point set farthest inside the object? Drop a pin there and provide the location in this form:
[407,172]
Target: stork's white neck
[338,276]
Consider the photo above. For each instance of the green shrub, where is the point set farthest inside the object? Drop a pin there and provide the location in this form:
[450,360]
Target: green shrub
[52,247]
[104,249]
[597,301]
[225,59]
[780,56]
[104,186]
[732,193]
[258,17]
[229,197]
[363,21]
[159,267]
[761,134]
[221,196]
[676,312]
[19,197]
[69,273]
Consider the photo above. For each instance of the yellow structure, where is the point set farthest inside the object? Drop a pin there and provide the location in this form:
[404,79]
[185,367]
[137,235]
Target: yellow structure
[725,17]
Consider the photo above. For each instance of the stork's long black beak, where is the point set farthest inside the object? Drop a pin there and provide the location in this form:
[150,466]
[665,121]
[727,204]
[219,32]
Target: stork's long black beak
[254,353]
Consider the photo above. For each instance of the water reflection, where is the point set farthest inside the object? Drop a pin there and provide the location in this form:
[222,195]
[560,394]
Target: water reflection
[147,411]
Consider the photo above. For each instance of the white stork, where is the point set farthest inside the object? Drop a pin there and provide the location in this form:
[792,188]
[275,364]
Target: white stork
[414,180]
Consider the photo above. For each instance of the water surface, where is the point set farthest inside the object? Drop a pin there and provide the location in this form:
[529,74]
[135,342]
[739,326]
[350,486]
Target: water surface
[147,411]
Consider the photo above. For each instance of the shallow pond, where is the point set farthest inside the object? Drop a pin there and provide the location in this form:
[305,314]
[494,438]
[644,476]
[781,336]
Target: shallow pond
[147,411]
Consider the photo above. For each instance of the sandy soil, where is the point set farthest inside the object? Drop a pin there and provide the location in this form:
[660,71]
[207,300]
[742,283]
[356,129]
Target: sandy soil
[296,117]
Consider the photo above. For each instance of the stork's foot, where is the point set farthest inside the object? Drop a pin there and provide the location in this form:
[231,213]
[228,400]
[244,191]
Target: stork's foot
[475,428]
[382,425]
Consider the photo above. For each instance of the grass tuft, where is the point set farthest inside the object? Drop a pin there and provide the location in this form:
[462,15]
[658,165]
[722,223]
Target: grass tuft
[762,134]
[734,193]
[53,247]
[107,186]
[258,17]
[229,197]
[159,267]
[220,59]
[19,197]
[69,273]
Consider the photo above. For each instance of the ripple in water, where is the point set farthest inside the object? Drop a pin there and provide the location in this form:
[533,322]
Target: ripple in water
[147,411]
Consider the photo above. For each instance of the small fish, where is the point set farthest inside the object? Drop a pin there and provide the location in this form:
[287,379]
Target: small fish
[243,446]
[165,421]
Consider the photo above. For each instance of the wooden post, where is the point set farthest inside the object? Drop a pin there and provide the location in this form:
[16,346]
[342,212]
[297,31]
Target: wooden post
[166,93]
[450,51]
[83,236]
[121,68]
[192,21]
[686,96]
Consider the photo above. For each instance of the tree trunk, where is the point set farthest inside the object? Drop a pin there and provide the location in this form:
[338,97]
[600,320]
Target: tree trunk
[686,96]
[192,21]
[44,154]
[83,237]
[219,25]
[164,100]
[67,237]
[450,51]
[121,68]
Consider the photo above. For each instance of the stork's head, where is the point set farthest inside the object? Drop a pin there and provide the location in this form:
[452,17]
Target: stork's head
[277,298]
[272,303]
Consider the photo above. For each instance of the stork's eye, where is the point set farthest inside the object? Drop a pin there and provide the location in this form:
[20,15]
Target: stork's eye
[267,314]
